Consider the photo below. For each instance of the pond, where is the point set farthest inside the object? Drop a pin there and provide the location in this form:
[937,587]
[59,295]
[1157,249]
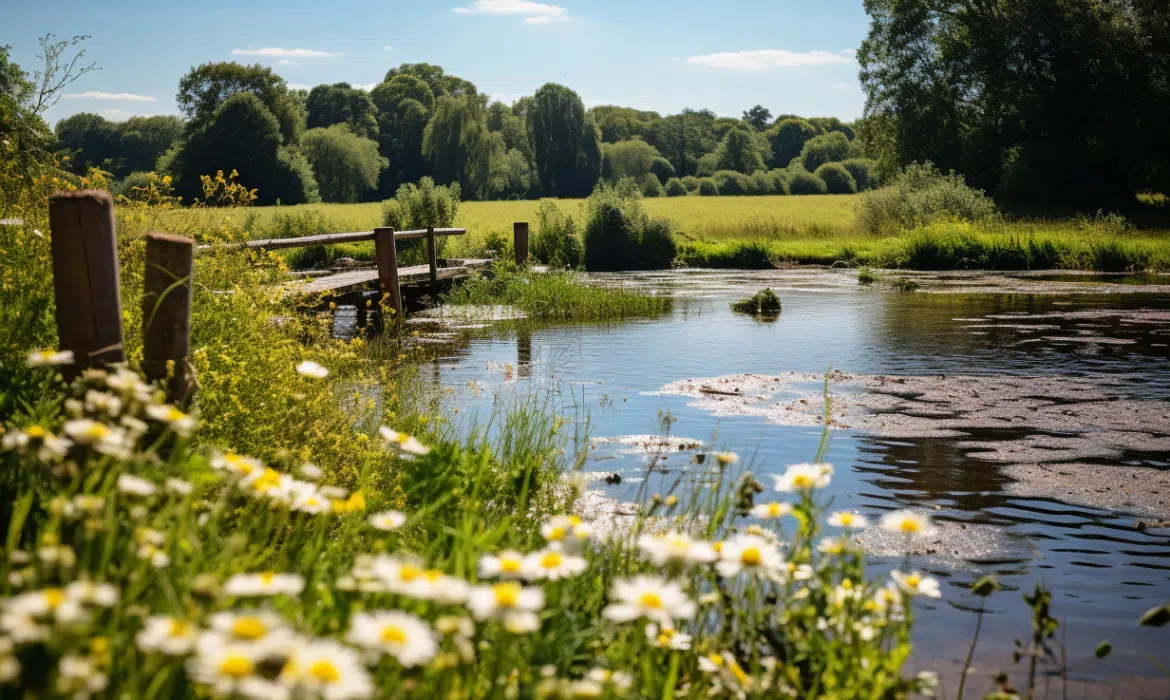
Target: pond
[1028,414]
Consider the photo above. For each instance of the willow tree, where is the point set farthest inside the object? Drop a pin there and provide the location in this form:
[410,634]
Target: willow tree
[566,143]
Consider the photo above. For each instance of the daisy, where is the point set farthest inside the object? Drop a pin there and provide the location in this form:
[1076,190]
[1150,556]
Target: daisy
[227,668]
[262,628]
[405,637]
[804,477]
[238,465]
[49,447]
[908,523]
[833,546]
[50,358]
[23,628]
[136,486]
[107,440]
[167,635]
[102,402]
[311,369]
[724,459]
[176,420]
[667,637]
[676,548]
[510,602]
[179,487]
[410,578]
[327,669]
[45,603]
[847,519]
[79,677]
[508,564]
[267,583]
[311,471]
[915,584]
[552,564]
[772,511]
[652,597]
[750,553]
[618,679]
[568,530]
[388,520]
[100,595]
[403,442]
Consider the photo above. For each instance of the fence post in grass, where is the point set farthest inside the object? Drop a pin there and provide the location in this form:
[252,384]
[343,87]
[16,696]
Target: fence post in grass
[85,278]
[431,255]
[166,312]
[520,238]
[387,255]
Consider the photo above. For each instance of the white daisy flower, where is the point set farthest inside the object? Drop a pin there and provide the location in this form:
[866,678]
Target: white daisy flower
[833,546]
[99,595]
[103,402]
[651,597]
[772,511]
[176,420]
[508,601]
[804,477]
[508,564]
[23,628]
[107,440]
[327,669]
[136,486]
[49,447]
[618,679]
[262,628]
[405,637]
[792,571]
[167,635]
[264,584]
[388,520]
[55,603]
[569,530]
[847,519]
[79,678]
[311,471]
[403,442]
[411,578]
[750,553]
[676,548]
[908,523]
[50,358]
[667,637]
[228,668]
[311,369]
[179,487]
[915,584]
[552,564]
[238,465]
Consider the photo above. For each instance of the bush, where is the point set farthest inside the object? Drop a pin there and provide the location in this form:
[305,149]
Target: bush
[919,195]
[836,178]
[675,188]
[708,188]
[803,182]
[864,172]
[770,182]
[762,302]
[651,187]
[734,183]
[556,242]
[619,235]
[662,168]
[136,184]
[832,147]
[420,206]
[346,165]
[691,183]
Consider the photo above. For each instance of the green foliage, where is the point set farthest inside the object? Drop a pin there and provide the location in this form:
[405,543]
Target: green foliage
[622,123]
[628,159]
[651,187]
[662,169]
[864,172]
[691,183]
[204,89]
[743,151]
[738,255]
[866,277]
[763,302]
[91,141]
[566,142]
[825,125]
[134,185]
[733,183]
[759,117]
[788,138]
[346,165]
[460,149]
[619,235]
[683,138]
[832,147]
[675,188]
[919,195]
[556,242]
[801,181]
[836,178]
[708,187]
[439,81]
[341,103]
[770,182]
[420,206]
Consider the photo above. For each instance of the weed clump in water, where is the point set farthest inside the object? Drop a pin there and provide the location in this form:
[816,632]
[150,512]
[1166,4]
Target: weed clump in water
[761,303]
[866,277]
[905,284]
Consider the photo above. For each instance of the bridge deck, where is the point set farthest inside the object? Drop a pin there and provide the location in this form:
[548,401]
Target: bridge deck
[357,280]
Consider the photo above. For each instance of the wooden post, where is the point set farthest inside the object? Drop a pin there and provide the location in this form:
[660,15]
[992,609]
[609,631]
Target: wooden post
[431,255]
[387,255]
[520,238]
[85,278]
[166,312]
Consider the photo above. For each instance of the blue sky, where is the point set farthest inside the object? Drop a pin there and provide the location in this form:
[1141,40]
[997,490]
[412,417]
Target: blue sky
[791,56]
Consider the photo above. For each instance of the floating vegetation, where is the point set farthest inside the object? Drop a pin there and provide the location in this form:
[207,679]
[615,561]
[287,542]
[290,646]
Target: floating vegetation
[763,302]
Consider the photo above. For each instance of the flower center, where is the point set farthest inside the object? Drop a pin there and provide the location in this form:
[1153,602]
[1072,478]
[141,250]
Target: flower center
[237,666]
[174,414]
[250,628]
[54,597]
[34,431]
[751,556]
[97,431]
[651,600]
[847,519]
[410,572]
[268,578]
[775,510]
[324,671]
[909,525]
[913,580]
[178,629]
[392,634]
[551,560]
[801,481]
[507,594]
[510,566]
[557,533]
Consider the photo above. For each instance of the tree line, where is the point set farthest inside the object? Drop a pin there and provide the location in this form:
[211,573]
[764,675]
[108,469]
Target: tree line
[338,143]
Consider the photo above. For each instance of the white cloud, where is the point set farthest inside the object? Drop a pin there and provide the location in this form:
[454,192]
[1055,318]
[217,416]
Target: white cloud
[532,12]
[273,52]
[767,58]
[387,47]
[110,96]
[849,52]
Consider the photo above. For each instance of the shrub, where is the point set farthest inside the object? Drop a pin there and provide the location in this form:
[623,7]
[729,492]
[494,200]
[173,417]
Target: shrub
[618,233]
[762,302]
[136,184]
[802,181]
[651,187]
[765,183]
[864,172]
[662,168]
[919,195]
[675,188]
[832,147]
[420,206]
[734,183]
[836,178]
[556,242]
[708,188]
[865,277]
[346,165]
[691,183]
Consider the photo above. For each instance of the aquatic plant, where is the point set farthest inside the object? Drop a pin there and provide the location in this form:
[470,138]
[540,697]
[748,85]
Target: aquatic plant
[865,277]
[762,302]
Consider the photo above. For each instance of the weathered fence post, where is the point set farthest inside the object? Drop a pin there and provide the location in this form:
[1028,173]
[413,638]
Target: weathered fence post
[85,278]
[387,255]
[431,255]
[520,238]
[166,312]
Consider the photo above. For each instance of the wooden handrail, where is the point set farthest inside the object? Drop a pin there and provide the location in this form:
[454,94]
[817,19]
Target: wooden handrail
[333,238]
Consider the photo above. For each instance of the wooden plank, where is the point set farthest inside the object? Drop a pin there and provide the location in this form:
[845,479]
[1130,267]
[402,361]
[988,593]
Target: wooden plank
[335,238]
[434,261]
[520,239]
[85,278]
[356,280]
[166,313]
[387,254]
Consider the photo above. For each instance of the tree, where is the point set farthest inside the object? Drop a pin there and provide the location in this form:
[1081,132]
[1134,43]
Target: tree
[345,165]
[759,117]
[243,135]
[683,138]
[145,139]
[341,103]
[826,124]
[565,142]
[388,95]
[91,141]
[628,159]
[459,148]
[403,106]
[788,138]
[622,123]
[741,151]
[204,89]
[837,179]
[832,147]
[441,84]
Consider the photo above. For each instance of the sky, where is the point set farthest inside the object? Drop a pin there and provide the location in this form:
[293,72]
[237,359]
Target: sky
[792,56]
